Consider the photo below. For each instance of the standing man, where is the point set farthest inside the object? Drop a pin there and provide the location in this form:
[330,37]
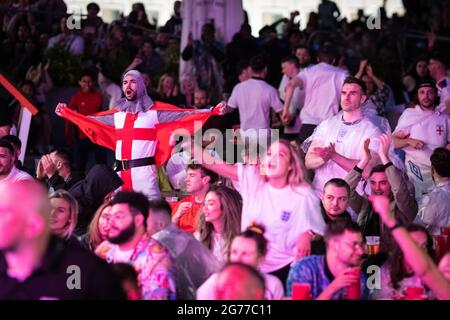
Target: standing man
[139,131]
[255,97]
[322,84]
[419,131]
[438,72]
[290,67]
[337,142]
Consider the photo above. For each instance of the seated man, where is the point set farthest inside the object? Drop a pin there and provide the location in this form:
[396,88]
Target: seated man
[34,265]
[198,181]
[434,211]
[56,169]
[387,180]
[330,275]
[129,243]
[334,204]
[8,171]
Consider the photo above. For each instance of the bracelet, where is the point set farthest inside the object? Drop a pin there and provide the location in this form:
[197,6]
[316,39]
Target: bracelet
[395,226]
[387,165]
[358,169]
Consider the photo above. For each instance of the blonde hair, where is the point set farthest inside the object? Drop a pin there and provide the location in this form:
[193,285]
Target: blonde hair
[93,232]
[297,174]
[187,76]
[160,89]
[73,208]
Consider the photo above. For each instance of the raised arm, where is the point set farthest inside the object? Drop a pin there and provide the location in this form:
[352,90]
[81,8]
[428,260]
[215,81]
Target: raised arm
[419,261]
[203,157]
[399,183]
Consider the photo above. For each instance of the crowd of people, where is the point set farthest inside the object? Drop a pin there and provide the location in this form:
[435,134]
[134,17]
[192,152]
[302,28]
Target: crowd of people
[359,176]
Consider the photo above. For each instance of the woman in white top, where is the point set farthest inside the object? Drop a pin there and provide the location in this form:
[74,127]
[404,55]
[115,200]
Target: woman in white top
[220,220]
[249,247]
[276,195]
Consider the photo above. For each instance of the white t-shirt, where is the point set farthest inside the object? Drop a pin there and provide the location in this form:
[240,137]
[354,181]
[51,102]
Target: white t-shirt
[297,102]
[285,213]
[274,288]
[254,98]
[323,85]
[348,140]
[443,86]
[116,255]
[15,175]
[431,127]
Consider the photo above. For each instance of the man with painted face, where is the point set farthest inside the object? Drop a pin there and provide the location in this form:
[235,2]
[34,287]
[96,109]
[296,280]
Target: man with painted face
[139,131]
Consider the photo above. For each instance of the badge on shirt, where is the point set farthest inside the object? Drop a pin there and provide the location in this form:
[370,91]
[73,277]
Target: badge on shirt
[415,170]
[439,129]
[285,216]
[341,134]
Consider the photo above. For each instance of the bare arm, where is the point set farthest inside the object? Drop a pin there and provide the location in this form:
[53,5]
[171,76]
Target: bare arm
[290,87]
[312,159]
[345,163]
[422,265]
[202,156]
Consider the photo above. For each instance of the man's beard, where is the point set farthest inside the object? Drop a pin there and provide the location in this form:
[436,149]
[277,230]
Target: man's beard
[124,236]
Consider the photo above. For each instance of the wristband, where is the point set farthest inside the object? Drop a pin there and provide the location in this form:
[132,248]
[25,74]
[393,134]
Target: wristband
[387,165]
[358,169]
[395,226]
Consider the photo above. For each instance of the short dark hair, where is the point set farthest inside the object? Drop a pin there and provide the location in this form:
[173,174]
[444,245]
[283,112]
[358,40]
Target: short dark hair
[7,145]
[94,6]
[204,172]
[438,56]
[440,162]
[242,65]
[337,182]
[338,227]
[258,63]
[135,200]
[359,82]
[65,155]
[161,206]
[378,168]
[89,72]
[326,54]
[15,141]
[291,59]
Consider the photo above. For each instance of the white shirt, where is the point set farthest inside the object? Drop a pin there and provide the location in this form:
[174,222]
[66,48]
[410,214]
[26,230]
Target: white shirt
[297,102]
[15,175]
[431,127]
[254,98]
[323,85]
[116,255]
[434,210]
[348,140]
[443,86]
[274,288]
[285,213]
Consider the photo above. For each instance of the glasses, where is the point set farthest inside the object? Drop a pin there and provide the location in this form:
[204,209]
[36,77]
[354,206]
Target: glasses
[355,245]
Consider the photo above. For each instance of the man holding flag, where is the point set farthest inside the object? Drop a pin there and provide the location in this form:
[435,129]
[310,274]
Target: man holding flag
[139,131]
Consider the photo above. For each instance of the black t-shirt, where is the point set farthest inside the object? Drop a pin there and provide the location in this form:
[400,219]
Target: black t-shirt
[57,277]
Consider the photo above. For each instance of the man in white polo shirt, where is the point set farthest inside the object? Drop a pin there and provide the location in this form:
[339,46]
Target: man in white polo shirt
[8,171]
[322,84]
[419,131]
[337,142]
[255,97]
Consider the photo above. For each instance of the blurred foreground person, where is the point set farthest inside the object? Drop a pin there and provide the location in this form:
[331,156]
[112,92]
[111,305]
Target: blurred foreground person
[36,265]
